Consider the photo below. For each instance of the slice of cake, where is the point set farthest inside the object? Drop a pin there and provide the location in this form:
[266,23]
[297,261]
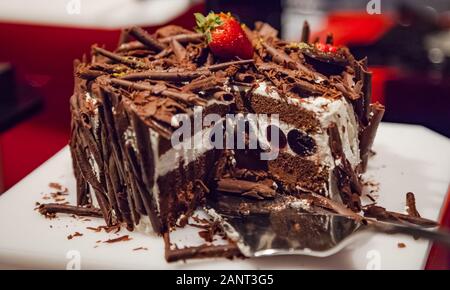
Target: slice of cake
[130,105]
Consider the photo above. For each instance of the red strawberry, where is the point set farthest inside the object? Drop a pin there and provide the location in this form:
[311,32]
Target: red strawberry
[327,48]
[224,35]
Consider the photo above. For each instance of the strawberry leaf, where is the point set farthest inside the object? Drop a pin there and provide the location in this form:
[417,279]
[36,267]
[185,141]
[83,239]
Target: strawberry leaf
[199,19]
[207,24]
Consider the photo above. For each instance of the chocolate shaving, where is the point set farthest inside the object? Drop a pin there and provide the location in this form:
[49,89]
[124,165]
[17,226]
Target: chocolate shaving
[175,76]
[367,134]
[329,204]
[124,36]
[133,45]
[89,74]
[309,88]
[184,38]
[188,98]
[411,205]
[380,213]
[204,251]
[115,228]
[178,49]
[142,36]
[246,188]
[124,238]
[53,208]
[204,84]
[224,65]
[118,58]
[329,39]
[282,58]
[306,31]
[348,182]
[76,234]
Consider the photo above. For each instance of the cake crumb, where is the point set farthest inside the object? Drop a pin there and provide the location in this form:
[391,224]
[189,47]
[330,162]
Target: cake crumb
[401,245]
[76,234]
[60,190]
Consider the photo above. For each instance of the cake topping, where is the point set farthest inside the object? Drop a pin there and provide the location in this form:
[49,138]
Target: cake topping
[305,32]
[225,68]
[224,35]
[146,39]
[122,59]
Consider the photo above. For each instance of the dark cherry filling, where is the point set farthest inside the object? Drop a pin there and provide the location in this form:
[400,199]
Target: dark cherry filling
[301,143]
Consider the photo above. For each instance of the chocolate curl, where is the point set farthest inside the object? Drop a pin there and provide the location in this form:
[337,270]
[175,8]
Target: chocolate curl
[282,58]
[166,75]
[184,38]
[132,45]
[90,177]
[329,39]
[203,84]
[366,78]
[245,188]
[309,88]
[82,185]
[380,213]
[201,252]
[142,35]
[112,148]
[53,208]
[224,65]
[204,251]
[346,91]
[411,205]
[306,31]
[118,58]
[141,161]
[163,53]
[178,49]
[187,98]
[88,74]
[124,36]
[367,134]
[347,181]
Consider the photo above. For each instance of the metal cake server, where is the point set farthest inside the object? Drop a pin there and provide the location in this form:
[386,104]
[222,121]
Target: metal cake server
[269,228]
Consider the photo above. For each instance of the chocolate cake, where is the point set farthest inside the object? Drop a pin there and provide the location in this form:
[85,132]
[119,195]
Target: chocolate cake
[128,105]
